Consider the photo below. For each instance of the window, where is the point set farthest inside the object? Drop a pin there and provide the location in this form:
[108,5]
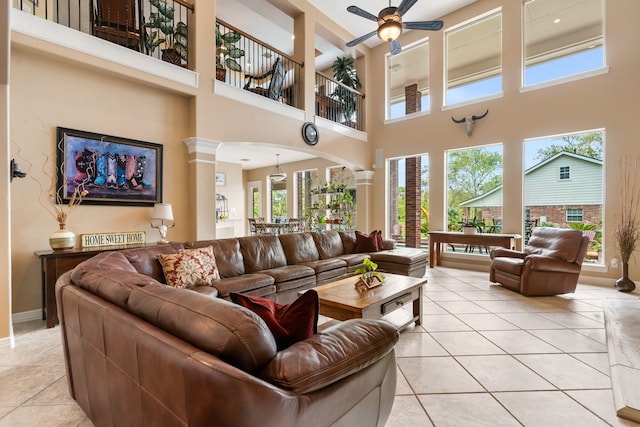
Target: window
[474,59]
[474,187]
[305,181]
[574,215]
[408,81]
[278,201]
[562,38]
[563,183]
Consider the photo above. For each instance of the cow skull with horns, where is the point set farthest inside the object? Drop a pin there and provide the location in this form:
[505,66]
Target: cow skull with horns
[470,122]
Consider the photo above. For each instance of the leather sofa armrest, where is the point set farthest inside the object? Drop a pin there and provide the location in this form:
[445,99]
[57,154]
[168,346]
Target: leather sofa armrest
[543,263]
[330,355]
[389,244]
[497,252]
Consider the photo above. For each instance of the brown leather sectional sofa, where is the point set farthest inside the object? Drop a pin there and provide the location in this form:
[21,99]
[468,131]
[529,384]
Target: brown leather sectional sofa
[138,352]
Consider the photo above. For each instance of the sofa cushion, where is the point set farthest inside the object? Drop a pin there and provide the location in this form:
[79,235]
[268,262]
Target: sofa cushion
[299,248]
[329,244]
[509,265]
[112,286]
[226,330]
[261,253]
[190,267]
[366,242]
[289,323]
[348,241]
[408,256]
[323,265]
[552,242]
[229,256]
[289,272]
[331,355]
[145,260]
[244,283]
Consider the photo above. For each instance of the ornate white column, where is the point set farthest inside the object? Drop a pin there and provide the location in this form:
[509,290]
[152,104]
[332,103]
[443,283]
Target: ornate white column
[202,187]
[363,199]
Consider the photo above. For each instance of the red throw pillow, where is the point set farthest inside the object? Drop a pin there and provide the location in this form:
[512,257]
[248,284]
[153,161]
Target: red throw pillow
[366,243]
[379,241]
[288,323]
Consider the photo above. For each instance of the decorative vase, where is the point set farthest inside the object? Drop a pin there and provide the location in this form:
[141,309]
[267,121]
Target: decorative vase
[62,239]
[221,74]
[624,284]
[469,230]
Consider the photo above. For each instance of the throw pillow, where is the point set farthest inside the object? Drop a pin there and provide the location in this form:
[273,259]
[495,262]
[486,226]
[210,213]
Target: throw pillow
[190,267]
[289,323]
[379,240]
[366,242]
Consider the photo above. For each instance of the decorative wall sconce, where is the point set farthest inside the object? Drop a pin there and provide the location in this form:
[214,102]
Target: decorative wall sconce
[162,212]
[15,171]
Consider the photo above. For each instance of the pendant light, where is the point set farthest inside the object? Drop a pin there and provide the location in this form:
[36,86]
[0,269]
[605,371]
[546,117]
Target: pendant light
[278,175]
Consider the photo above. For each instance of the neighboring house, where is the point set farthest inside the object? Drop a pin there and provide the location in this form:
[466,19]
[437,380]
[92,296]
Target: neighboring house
[564,188]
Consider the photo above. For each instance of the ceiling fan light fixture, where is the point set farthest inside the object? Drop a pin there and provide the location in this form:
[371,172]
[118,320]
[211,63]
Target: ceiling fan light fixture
[389,30]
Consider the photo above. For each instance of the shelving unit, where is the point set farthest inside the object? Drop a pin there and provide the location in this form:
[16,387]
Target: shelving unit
[222,207]
[332,209]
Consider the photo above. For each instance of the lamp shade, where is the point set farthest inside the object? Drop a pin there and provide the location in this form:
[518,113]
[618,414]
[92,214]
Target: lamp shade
[390,30]
[162,211]
[278,174]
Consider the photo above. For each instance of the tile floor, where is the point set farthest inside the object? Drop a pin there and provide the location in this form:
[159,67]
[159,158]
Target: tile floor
[483,356]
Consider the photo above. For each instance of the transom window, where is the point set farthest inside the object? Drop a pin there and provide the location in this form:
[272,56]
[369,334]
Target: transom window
[564,173]
[474,59]
[408,81]
[562,38]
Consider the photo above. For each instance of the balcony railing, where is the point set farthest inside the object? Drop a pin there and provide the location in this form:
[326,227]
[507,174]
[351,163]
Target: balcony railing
[155,27]
[339,103]
[245,62]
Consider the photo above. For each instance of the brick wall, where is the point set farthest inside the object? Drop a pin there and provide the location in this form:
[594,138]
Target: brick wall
[412,210]
[413,99]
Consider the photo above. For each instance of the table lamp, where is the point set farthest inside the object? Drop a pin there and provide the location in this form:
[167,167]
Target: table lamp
[162,212]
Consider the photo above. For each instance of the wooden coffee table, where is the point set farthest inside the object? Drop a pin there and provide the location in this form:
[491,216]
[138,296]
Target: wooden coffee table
[340,300]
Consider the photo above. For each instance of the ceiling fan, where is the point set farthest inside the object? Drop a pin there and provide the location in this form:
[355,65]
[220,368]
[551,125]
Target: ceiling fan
[390,24]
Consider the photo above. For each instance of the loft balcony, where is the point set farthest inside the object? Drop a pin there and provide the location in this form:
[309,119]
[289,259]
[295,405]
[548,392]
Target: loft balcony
[158,28]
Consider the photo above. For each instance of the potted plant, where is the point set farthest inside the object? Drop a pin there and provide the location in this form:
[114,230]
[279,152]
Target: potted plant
[344,72]
[227,53]
[175,38]
[471,226]
[369,276]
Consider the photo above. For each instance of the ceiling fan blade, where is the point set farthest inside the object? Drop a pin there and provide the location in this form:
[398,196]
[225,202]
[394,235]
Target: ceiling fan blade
[405,6]
[423,25]
[360,39]
[395,47]
[356,10]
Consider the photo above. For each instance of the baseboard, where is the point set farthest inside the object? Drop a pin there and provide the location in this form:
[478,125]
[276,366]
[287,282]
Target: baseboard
[27,316]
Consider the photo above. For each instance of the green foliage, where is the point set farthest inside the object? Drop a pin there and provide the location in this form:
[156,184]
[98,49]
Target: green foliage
[454,216]
[587,144]
[226,51]
[161,21]
[581,226]
[471,173]
[344,71]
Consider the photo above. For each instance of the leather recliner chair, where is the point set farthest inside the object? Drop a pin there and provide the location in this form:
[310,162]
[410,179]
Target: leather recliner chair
[550,264]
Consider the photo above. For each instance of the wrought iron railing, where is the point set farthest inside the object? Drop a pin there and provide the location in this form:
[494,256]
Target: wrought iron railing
[247,63]
[339,103]
[155,27]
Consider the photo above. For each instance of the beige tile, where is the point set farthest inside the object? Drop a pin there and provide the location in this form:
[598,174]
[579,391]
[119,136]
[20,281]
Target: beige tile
[50,416]
[573,320]
[565,372]
[443,296]
[55,394]
[20,383]
[510,306]
[437,375]
[547,408]
[600,402]
[570,341]
[485,322]
[503,373]
[599,335]
[455,307]
[430,307]
[599,361]
[466,343]
[477,295]
[529,321]
[402,386]
[455,410]
[415,345]
[519,342]
[443,322]
[407,411]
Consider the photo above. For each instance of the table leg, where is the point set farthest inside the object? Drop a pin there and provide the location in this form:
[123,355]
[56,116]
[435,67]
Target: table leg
[432,252]
[417,307]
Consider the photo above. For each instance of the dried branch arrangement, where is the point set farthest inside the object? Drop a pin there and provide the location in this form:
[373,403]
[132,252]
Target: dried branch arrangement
[627,232]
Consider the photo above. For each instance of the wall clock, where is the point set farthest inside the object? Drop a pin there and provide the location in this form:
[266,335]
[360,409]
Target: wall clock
[310,133]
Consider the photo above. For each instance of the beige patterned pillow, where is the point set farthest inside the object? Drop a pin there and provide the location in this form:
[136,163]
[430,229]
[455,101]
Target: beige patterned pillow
[190,267]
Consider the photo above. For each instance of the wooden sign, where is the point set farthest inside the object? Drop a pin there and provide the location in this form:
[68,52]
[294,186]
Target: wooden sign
[113,239]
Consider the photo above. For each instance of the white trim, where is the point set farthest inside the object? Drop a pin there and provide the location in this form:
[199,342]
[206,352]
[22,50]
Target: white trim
[206,162]
[341,129]
[254,100]
[363,176]
[407,117]
[201,145]
[472,101]
[563,80]
[27,316]
[78,41]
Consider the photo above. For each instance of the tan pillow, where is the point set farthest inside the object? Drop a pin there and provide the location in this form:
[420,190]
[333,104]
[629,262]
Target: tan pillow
[190,267]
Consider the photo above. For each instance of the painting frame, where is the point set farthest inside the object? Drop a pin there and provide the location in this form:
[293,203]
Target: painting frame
[221,178]
[113,170]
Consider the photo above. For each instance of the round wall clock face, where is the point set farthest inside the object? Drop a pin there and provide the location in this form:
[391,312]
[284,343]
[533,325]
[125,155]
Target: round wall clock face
[310,133]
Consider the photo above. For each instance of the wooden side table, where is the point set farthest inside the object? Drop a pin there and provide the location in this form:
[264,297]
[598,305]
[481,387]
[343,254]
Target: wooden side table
[54,264]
